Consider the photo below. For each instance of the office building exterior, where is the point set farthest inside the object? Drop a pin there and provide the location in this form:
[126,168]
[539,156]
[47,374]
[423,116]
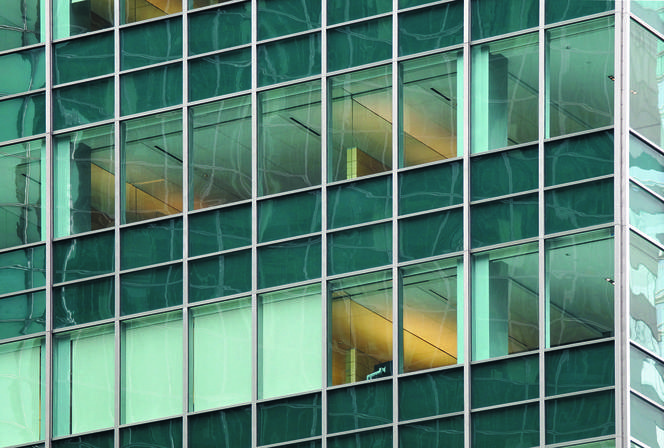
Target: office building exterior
[331,223]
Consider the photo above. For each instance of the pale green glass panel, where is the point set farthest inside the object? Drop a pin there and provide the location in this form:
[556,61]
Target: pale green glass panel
[288,216]
[151,289]
[156,242]
[580,417]
[289,341]
[559,10]
[83,103]
[163,434]
[579,78]
[361,406]
[72,17]
[276,64]
[84,380]
[505,381]
[344,10]
[577,158]
[380,438]
[97,440]
[21,24]
[505,301]
[151,369]
[430,187]
[220,74]
[357,202]
[289,138]
[135,10]
[220,276]
[83,257]
[359,248]
[601,444]
[513,427]
[360,123]
[22,269]
[151,43]
[504,173]
[579,206]
[230,428]
[646,212]
[83,302]
[281,17]
[446,433]
[650,11]
[504,220]
[289,419]
[431,109]
[22,71]
[646,422]
[647,375]
[219,230]
[646,165]
[431,28]
[304,262]
[83,58]
[23,116]
[493,17]
[22,192]
[504,93]
[220,355]
[359,43]
[436,392]
[208,30]
[22,314]
[151,89]
[429,235]
[22,384]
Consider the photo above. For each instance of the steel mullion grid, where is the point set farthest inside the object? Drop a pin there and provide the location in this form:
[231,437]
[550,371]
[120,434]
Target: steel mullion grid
[397,321]
[323,192]
[118,159]
[254,224]
[542,283]
[186,140]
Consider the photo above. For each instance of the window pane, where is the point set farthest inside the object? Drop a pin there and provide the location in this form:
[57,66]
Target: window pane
[22,269]
[219,74]
[345,10]
[220,276]
[208,30]
[644,114]
[431,28]
[504,220]
[580,368]
[151,89]
[72,17]
[151,43]
[304,262]
[504,173]
[359,248]
[493,17]
[230,428]
[280,17]
[580,417]
[288,216]
[646,165]
[559,10]
[646,422]
[83,103]
[83,58]
[646,212]
[156,242]
[20,24]
[23,117]
[98,440]
[358,202]
[429,235]
[135,10]
[359,406]
[381,438]
[505,381]
[289,419]
[578,206]
[359,44]
[446,433]
[647,375]
[83,302]
[150,289]
[83,257]
[276,64]
[513,427]
[219,230]
[430,187]
[22,314]
[164,434]
[429,394]
[650,11]
[22,71]
[578,158]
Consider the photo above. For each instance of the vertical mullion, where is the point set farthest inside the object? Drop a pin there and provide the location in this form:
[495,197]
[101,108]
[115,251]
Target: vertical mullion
[185,225]
[254,222]
[324,308]
[543,293]
[119,200]
[396,289]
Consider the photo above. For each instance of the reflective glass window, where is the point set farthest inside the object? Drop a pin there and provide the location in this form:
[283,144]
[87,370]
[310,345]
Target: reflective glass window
[287,216]
[151,89]
[650,11]
[361,201]
[289,419]
[446,432]
[577,158]
[22,71]
[516,426]
[304,262]
[647,375]
[646,165]
[493,17]
[432,393]
[359,248]
[152,243]
[430,28]
[646,212]
[218,230]
[151,289]
[151,43]
[72,17]
[219,276]
[83,257]
[646,421]
[578,206]
[579,368]
[430,187]
[22,314]
[359,43]
[360,406]
[82,302]
[280,17]
[380,438]
[344,10]
[504,173]
[21,24]
[83,103]
[163,434]
[580,417]
[219,74]
[504,220]
[135,10]
[559,10]
[208,30]
[505,381]
[23,116]
[96,440]
[276,64]
[230,428]
[83,58]
[433,234]
[22,269]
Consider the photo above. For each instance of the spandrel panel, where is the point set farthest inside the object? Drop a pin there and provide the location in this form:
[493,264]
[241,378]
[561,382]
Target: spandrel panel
[429,235]
[22,314]
[151,289]
[230,428]
[580,368]
[83,58]
[288,216]
[359,248]
[23,116]
[360,406]
[22,269]
[504,220]
[580,417]
[304,262]
[289,419]
[346,10]
[281,17]
[151,43]
[20,24]
[150,89]
[220,276]
[163,434]
[430,187]
[578,158]
[446,432]
[505,381]
[431,28]
[429,394]
[83,103]
[380,438]
[80,303]
[219,230]
[219,74]
[504,173]
[516,426]
[559,10]
[152,243]
[98,440]
[208,30]
[646,212]
[578,206]
[73,17]
[22,71]
[135,10]
[83,257]
[646,165]
[277,64]
[358,202]
[493,17]
[359,44]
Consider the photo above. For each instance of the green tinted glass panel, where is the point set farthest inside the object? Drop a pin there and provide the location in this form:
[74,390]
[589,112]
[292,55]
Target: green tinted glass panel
[360,248]
[579,368]
[20,25]
[151,289]
[220,74]
[446,433]
[430,187]
[101,440]
[504,220]
[80,303]
[83,103]
[345,10]
[230,428]
[411,3]
[580,417]
[381,438]
[83,257]
[151,89]
[430,394]
[431,28]
[22,116]
[559,10]
[647,374]
[289,419]
[428,235]
[505,381]
[135,10]
[650,11]
[83,58]
[288,216]
[358,202]
[513,427]
[22,314]
[359,44]
[281,17]
[579,206]
[151,43]
[276,64]
[219,230]
[22,269]
[208,30]
[646,165]
[304,262]
[645,421]
[165,434]
[359,406]
[493,17]
[152,243]
[646,212]
[504,173]
[22,71]
[578,158]
[220,276]
[311,444]
[73,17]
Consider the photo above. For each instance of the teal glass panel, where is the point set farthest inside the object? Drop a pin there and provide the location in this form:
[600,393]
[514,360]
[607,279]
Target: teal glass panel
[84,382]
[21,24]
[84,302]
[276,64]
[22,71]
[646,212]
[580,368]
[646,165]
[289,138]
[22,269]
[219,230]
[430,187]
[578,206]
[220,363]
[559,10]
[220,276]
[504,173]
[151,289]
[358,407]
[446,433]
[219,74]
[429,394]
[135,10]
[580,287]
[345,10]
[513,427]
[151,89]
[83,257]
[359,248]
[380,438]
[580,85]
[73,17]
[164,434]
[83,58]
[290,333]
[288,216]
[410,3]
[429,235]
[505,381]
[359,44]
[281,17]
[83,103]
[430,28]
[230,428]
[646,422]
[289,419]
[504,220]
[359,328]
[156,242]
[505,301]
[504,89]
[208,30]
[647,375]
[304,262]
[23,116]
[578,158]
[650,11]
[360,124]
[580,417]
[601,444]
[494,17]
[308,444]
[99,440]
[22,314]
[151,43]
[358,202]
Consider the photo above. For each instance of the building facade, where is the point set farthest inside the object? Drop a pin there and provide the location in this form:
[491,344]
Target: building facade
[331,223]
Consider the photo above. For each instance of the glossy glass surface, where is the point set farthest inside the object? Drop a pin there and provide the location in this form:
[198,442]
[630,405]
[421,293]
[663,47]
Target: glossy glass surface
[358,202]
[359,44]
[135,10]
[430,187]
[83,58]
[289,419]
[444,432]
[359,406]
[276,63]
[516,426]
[505,381]
[83,103]
[164,434]
[646,165]
[429,394]
[645,420]
[578,206]
[220,74]
[304,262]
[219,230]
[151,289]
[22,269]
[208,30]
[504,220]
[281,17]
[288,216]
[580,368]
[433,234]
[220,276]
[151,89]
[83,302]
[507,172]
[650,11]
[22,314]
[23,116]
[381,438]
[359,248]
[22,71]
[152,243]
[345,10]
[580,417]
[431,28]
[98,440]
[647,375]
[646,212]
[493,17]
[151,43]
[559,10]
[577,158]
[20,24]
[72,17]
[230,428]
[83,257]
